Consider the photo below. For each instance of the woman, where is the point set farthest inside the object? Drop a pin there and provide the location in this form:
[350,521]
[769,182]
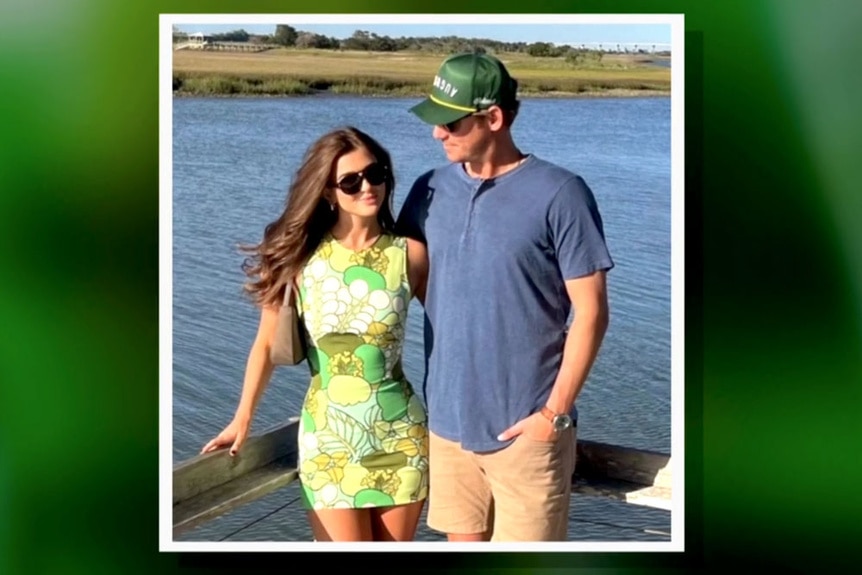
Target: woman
[363,451]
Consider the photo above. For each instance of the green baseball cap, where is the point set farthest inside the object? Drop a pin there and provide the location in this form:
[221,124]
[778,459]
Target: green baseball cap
[465,84]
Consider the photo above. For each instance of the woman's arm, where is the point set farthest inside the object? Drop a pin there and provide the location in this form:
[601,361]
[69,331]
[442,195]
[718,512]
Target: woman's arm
[258,371]
[417,268]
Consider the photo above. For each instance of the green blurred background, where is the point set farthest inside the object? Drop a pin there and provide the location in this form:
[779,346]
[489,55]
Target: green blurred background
[773,278]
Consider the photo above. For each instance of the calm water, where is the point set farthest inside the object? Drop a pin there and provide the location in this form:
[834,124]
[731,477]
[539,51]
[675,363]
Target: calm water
[233,161]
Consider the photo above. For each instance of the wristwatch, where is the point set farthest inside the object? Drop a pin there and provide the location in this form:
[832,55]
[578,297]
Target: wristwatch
[561,421]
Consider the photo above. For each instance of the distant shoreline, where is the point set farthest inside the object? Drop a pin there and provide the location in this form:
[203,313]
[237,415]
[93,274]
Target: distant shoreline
[527,96]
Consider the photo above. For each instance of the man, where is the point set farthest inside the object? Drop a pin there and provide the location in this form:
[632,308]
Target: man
[514,243]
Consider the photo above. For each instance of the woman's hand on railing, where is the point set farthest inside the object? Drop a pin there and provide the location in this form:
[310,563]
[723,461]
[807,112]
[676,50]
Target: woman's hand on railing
[233,435]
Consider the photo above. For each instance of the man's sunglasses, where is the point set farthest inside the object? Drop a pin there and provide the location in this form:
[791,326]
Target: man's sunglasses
[351,182]
[452,126]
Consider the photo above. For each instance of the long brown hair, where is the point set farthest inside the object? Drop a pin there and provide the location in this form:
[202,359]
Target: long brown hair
[290,240]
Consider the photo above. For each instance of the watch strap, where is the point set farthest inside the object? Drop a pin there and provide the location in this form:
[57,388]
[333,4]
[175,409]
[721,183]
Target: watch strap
[549,415]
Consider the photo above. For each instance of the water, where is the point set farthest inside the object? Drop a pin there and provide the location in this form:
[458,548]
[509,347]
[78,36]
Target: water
[233,161]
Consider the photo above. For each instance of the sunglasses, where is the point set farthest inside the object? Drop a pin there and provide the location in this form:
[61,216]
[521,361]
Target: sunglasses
[351,182]
[452,126]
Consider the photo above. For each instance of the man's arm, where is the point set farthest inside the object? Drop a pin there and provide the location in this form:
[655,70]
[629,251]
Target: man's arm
[410,222]
[590,301]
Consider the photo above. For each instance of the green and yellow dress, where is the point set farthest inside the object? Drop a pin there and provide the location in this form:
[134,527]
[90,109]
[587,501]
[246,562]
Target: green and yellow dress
[363,439]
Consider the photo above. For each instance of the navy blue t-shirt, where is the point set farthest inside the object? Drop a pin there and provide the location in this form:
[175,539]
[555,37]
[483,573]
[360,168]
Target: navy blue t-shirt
[496,308]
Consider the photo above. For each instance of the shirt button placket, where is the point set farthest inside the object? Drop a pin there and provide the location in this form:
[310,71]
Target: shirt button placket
[470,209]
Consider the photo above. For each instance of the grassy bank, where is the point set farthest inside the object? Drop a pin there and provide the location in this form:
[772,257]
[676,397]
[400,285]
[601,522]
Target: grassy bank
[287,72]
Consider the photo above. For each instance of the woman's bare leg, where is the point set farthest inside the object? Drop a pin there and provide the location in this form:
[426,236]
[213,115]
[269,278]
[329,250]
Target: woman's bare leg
[341,524]
[396,523]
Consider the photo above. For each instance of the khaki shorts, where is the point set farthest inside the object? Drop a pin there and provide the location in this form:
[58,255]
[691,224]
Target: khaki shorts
[522,491]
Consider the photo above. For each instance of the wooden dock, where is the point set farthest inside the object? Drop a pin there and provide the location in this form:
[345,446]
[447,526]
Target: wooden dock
[225,46]
[213,484]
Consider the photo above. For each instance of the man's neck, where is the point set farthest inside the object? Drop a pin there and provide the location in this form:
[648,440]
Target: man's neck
[493,169]
[496,162]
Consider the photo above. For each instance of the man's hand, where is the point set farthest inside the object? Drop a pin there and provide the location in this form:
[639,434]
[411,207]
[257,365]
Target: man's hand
[535,426]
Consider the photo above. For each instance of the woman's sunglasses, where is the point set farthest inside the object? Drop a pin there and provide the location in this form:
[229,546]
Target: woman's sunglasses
[351,182]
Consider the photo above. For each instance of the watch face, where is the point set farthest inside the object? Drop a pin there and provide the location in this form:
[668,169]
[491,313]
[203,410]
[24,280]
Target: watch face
[562,422]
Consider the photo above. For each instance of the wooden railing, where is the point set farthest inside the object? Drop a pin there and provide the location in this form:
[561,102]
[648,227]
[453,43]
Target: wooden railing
[225,46]
[215,483]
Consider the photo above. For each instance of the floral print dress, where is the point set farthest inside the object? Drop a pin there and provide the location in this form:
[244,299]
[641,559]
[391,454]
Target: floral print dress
[363,439]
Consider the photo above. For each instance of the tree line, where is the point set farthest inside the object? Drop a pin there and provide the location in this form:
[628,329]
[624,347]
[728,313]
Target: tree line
[362,40]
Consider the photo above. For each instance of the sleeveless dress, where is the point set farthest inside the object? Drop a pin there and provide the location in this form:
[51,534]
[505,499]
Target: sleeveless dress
[363,438]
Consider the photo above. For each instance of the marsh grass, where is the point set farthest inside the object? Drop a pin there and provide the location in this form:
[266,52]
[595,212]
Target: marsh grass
[285,72]
[218,85]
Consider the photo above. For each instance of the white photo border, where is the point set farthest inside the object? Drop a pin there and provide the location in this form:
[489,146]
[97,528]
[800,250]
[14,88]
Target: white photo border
[166,22]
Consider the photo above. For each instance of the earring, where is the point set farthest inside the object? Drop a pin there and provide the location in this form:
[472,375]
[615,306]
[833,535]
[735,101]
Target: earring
[332,207]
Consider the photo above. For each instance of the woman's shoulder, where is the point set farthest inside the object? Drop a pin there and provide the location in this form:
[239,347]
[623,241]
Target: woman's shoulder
[394,239]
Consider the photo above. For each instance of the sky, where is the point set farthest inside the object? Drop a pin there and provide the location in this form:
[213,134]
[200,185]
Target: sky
[557,29]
